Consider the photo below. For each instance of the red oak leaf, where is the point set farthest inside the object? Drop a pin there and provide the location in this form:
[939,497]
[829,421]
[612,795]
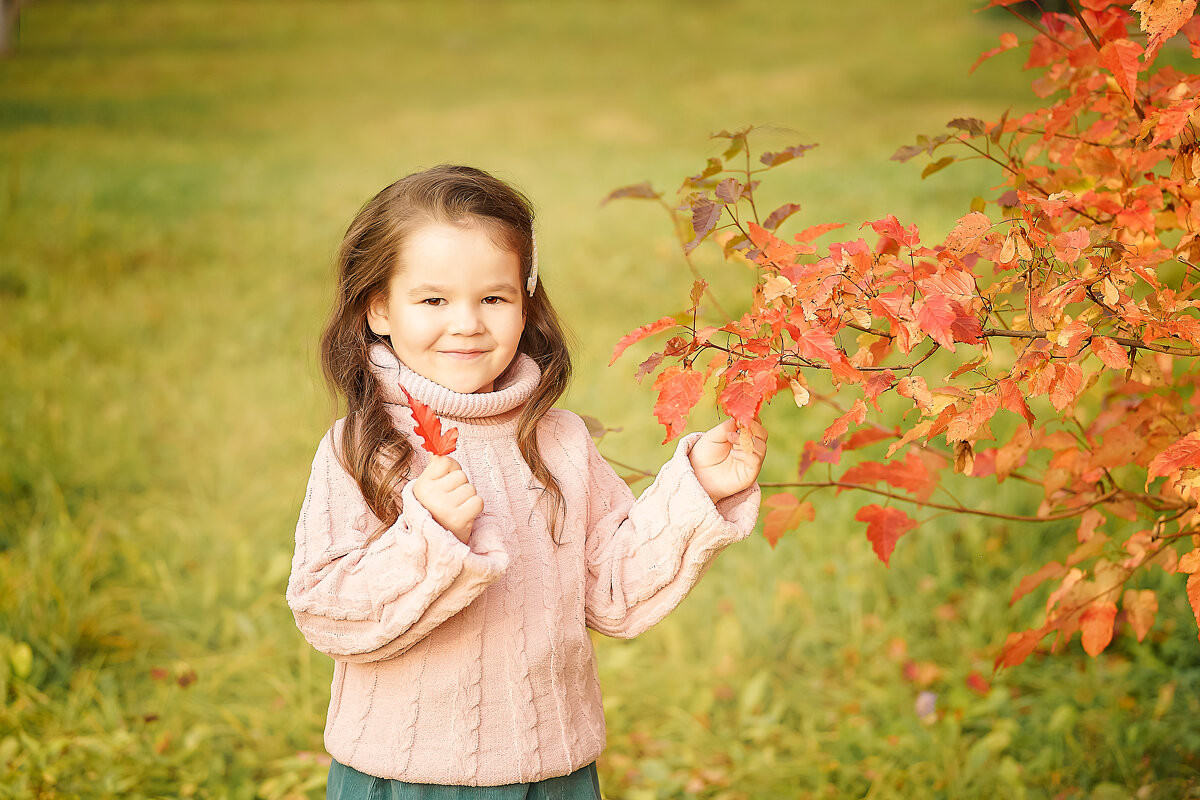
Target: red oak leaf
[635,336]
[787,512]
[884,527]
[429,428]
[1097,627]
[678,390]
[1183,453]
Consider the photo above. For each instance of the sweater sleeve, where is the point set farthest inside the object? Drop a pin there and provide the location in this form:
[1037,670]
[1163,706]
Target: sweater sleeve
[358,596]
[645,555]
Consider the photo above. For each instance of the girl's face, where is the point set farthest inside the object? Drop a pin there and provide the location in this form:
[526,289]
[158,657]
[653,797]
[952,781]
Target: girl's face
[454,309]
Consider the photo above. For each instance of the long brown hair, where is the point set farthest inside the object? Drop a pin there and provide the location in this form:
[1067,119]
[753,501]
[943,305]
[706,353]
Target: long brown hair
[372,450]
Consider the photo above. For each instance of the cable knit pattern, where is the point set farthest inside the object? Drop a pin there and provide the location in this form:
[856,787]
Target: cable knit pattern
[470,664]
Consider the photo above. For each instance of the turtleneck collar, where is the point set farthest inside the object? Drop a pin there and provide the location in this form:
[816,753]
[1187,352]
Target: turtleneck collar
[513,387]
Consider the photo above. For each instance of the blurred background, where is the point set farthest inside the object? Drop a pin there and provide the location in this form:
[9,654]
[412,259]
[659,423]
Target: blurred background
[174,179]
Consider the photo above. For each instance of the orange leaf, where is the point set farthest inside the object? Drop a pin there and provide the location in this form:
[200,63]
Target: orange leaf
[1007,42]
[744,395]
[429,428]
[1193,593]
[1012,399]
[968,233]
[936,315]
[857,414]
[1111,353]
[1183,453]
[1067,383]
[635,336]
[1097,627]
[787,512]
[884,527]
[678,390]
[1172,121]
[890,227]
[1140,609]
[1031,582]
[1120,57]
[1069,245]
[808,234]
[1162,19]
[1018,646]
[1189,563]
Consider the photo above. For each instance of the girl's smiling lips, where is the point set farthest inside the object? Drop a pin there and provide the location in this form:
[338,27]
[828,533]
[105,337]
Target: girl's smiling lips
[463,354]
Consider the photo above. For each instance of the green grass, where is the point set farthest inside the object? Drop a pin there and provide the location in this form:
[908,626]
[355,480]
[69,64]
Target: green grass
[174,177]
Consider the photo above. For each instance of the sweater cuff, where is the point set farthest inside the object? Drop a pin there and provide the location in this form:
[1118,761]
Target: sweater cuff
[483,555]
[739,510]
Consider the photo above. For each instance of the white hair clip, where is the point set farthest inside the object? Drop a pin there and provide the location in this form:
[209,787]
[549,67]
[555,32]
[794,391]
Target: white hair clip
[531,283]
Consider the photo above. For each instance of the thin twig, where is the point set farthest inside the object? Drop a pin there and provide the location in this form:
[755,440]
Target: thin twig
[928,504]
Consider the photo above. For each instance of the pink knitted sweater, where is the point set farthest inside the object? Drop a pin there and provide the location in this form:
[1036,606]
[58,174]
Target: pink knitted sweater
[470,664]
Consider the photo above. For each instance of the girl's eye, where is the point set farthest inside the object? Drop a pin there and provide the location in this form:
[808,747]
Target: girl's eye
[432,301]
[493,300]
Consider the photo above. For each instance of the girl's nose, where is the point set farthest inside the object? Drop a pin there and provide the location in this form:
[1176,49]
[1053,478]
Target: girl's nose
[466,320]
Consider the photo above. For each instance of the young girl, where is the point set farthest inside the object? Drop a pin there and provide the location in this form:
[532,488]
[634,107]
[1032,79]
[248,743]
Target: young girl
[454,593]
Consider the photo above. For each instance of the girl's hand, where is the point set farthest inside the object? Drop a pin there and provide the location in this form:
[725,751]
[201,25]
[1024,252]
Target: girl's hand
[721,465]
[449,497]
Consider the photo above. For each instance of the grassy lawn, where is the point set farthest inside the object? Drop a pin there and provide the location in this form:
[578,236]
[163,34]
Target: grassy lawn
[174,178]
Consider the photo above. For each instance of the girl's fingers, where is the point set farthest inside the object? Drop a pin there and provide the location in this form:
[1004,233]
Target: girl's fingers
[439,466]
[460,495]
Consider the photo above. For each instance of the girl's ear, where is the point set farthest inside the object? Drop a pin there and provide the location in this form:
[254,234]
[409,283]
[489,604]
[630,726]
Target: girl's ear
[377,317]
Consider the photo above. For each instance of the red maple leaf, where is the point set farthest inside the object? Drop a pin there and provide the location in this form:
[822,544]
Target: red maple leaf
[857,414]
[1183,453]
[1162,20]
[637,335]
[429,428]
[1120,57]
[787,512]
[1097,627]
[1111,353]
[890,227]
[884,527]
[678,390]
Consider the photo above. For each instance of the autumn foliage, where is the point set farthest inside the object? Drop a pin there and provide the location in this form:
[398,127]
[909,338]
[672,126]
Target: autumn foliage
[1051,338]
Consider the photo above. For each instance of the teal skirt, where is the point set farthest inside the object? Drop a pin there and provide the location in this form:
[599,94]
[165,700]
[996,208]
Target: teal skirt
[347,783]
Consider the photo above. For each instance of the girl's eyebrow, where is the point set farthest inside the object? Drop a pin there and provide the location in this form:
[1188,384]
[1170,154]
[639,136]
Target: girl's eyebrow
[433,288]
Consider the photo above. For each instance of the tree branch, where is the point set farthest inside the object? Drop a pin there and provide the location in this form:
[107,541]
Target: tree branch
[942,506]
